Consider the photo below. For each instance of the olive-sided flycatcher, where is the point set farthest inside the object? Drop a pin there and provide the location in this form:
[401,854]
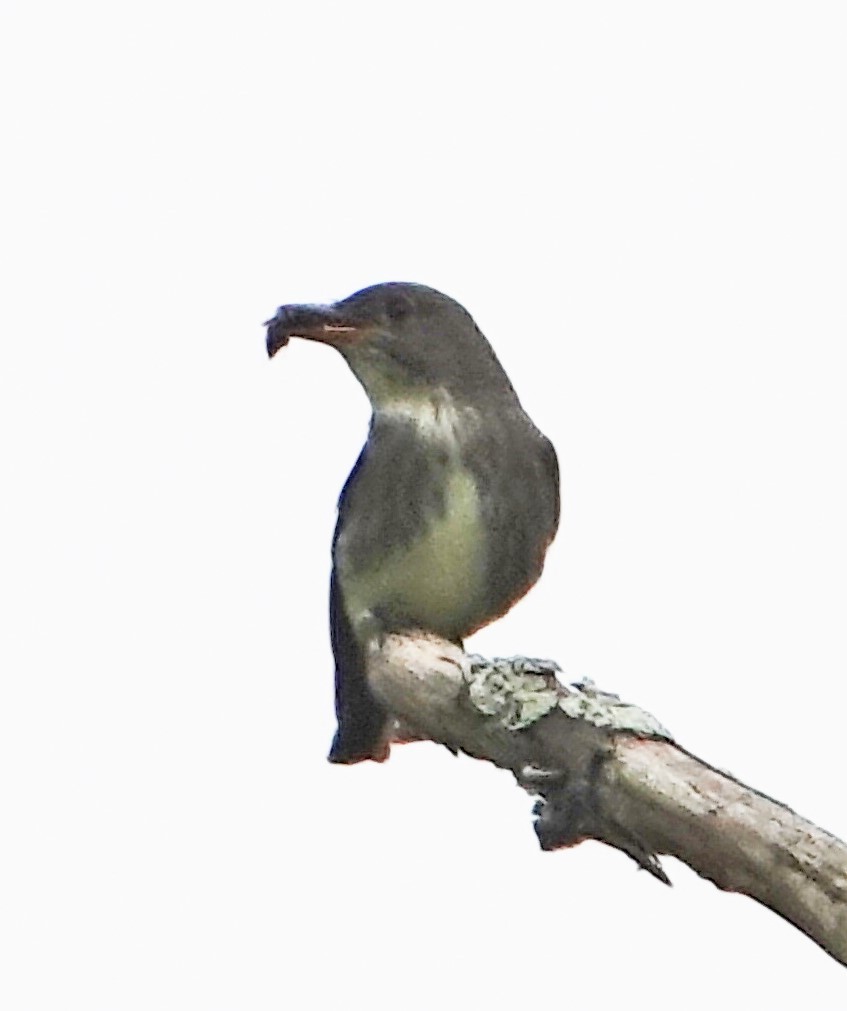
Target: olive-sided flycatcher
[444,521]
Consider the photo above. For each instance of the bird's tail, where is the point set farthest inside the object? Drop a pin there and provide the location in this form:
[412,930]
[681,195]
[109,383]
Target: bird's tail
[363,723]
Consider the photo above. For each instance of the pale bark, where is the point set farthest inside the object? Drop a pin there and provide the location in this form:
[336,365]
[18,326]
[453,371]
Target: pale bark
[604,771]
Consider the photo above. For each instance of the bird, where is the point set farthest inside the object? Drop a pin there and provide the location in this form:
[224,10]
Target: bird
[445,519]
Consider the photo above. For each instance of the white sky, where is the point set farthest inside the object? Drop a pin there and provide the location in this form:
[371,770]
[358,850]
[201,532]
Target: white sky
[644,207]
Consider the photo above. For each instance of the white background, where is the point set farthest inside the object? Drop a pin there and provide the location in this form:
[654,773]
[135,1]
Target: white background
[644,207]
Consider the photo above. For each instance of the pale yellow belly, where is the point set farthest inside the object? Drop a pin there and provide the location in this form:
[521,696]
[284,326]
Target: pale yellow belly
[434,583]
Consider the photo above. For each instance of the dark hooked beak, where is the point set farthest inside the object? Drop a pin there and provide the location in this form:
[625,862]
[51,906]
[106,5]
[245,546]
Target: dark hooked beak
[312,322]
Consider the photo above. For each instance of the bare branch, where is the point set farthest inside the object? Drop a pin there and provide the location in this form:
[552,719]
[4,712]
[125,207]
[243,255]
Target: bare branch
[607,771]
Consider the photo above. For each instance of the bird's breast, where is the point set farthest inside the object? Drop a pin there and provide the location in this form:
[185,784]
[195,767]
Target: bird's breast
[411,541]
[433,577]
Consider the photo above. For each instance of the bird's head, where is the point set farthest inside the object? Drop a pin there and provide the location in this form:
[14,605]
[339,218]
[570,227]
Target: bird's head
[400,340]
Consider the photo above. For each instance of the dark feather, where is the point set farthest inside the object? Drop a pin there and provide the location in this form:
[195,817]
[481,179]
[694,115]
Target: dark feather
[362,720]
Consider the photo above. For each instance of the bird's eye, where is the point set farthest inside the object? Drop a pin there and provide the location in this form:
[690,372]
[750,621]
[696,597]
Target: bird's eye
[398,307]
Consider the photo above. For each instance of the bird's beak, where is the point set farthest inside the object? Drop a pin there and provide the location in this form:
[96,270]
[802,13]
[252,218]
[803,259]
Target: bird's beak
[312,322]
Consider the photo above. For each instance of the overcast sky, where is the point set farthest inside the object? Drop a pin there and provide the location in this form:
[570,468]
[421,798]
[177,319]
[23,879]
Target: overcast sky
[643,206]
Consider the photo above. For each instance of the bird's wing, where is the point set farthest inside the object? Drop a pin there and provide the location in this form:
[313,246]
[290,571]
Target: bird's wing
[552,464]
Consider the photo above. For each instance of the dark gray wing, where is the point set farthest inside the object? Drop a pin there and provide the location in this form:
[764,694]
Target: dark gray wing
[516,466]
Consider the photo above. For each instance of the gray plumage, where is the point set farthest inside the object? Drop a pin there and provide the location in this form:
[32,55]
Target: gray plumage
[445,520]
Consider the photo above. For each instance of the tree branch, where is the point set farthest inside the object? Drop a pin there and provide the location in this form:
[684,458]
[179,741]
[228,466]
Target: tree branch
[605,770]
